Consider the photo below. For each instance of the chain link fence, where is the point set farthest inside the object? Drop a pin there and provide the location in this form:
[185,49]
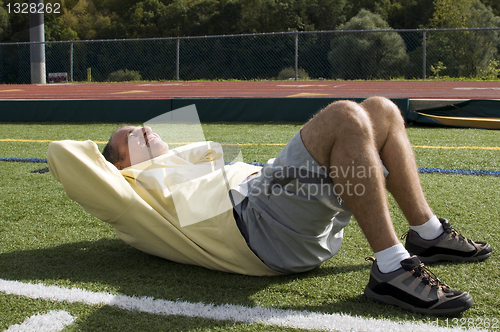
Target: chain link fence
[345,55]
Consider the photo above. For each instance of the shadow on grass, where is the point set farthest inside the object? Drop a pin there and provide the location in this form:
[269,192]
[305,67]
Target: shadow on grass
[110,264]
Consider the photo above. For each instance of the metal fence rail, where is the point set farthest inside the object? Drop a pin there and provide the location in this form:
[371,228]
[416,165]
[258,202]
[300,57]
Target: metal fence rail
[366,54]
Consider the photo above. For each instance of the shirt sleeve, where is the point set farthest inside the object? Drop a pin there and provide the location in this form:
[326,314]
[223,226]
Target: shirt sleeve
[89,179]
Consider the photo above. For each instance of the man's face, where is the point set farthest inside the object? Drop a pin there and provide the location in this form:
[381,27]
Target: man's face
[137,144]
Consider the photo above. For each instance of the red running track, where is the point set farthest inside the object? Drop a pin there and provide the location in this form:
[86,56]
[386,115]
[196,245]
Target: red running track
[254,89]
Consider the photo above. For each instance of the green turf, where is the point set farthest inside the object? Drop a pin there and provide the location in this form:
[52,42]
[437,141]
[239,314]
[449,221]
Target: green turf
[45,237]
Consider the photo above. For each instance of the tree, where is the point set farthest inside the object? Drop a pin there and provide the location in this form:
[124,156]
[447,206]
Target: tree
[175,20]
[324,14]
[227,19]
[144,18]
[405,14]
[454,14]
[494,4]
[353,7]
[4,22]
[465,53]
[81,20]
[370,55]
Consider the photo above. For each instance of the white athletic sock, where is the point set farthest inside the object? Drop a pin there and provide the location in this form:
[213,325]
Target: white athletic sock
[430,230]
[389,259]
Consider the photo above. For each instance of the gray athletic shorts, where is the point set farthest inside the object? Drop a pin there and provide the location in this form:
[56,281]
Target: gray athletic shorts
[292,219]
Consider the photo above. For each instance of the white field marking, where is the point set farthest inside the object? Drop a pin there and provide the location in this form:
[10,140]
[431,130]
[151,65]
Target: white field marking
[225,312]
[53,321]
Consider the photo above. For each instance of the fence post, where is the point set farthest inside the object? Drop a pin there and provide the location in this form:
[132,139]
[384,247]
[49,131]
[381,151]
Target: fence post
[37,46]
[177,59]
[296,56]
[71,62]
[424,55]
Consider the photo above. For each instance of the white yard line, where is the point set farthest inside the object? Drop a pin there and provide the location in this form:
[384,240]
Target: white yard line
[267,316]
[53,321]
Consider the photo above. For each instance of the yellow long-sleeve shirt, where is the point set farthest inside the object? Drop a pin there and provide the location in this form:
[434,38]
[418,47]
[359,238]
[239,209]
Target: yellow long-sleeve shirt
[175,206]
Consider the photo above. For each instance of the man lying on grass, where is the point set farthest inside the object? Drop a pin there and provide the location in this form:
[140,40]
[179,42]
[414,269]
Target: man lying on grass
[287,217]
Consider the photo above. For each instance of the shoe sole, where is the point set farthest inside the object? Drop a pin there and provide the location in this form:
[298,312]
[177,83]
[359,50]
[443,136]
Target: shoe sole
[443,257]
[387,299]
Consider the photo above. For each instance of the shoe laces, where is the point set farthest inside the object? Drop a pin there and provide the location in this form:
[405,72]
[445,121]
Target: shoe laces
[456,234]
[428,277]
[423,273]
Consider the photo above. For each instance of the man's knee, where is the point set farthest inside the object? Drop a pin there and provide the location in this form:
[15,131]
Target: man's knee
[346,115]
[343,121]
[384,109]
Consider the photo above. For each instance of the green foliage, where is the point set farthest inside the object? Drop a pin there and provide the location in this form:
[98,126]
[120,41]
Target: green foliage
[95,19]
[436,70]
[406,14]
[4,22]
[68,34]
[324,14]
[452,13]
[355,56]
[491,72]
[18,24]
[124,75]
[289,73]
[144,18]
[176,18]
[82,21]
[114,19]
[466,54]
[494,4]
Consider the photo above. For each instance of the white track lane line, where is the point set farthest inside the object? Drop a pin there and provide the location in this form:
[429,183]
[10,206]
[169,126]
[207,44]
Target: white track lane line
[267,316]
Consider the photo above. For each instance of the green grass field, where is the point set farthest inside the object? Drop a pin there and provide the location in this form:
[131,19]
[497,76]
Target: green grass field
[47,238]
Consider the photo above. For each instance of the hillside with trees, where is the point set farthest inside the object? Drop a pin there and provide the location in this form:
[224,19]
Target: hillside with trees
[115,54]
[125,19]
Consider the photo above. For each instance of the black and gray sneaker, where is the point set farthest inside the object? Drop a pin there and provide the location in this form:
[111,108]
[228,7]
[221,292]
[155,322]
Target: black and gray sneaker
[413,287]
[449,246]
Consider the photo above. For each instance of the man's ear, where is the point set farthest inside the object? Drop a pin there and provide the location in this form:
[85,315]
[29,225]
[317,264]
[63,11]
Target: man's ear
[119,165]
[121,160]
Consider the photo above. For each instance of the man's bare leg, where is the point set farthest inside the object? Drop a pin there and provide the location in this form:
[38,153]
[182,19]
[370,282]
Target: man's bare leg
[347,134]
[397,155]
[341,137]
[404,183]
[344,135]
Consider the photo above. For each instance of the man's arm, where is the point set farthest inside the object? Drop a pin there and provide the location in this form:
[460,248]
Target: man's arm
[89,179]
